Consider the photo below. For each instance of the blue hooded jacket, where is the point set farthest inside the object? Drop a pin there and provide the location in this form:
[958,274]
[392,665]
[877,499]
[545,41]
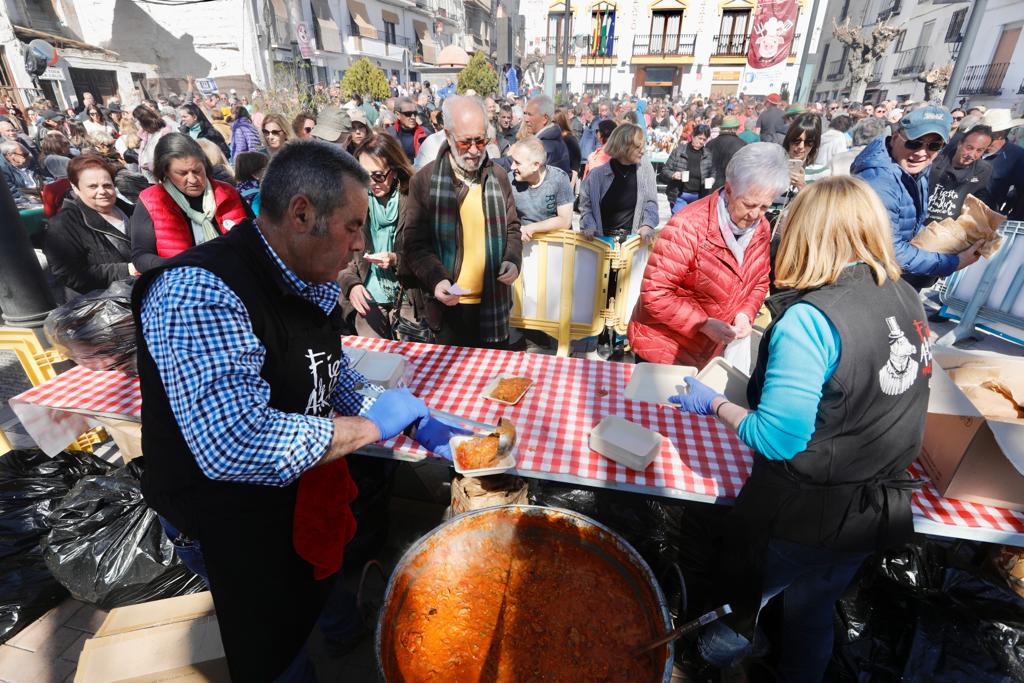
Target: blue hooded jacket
[906,199]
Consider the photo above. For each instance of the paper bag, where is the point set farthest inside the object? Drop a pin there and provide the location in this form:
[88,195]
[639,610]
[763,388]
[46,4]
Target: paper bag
[737,354]
[976,222]
[475,493]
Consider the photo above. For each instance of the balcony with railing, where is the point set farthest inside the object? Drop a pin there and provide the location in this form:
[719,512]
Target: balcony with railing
[581,46]
[664,45]
[876,72]
[911,61]
[835,70]
[984,79]
[890,8]
[384,44]
[730,45]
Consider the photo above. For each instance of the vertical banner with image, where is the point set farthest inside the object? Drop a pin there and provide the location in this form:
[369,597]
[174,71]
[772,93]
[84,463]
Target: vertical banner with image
[771,35]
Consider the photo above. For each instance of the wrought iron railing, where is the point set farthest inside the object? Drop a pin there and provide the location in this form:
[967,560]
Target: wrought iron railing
[911,61]
[984,79]
[731,44]
[664,45]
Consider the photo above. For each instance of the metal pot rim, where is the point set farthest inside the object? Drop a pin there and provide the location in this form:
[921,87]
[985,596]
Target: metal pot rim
[638,561]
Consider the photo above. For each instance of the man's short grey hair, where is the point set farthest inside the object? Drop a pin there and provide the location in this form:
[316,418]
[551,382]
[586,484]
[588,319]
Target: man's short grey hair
[401,101]
[869,129]
[456,101]
[10,147]
[318,170]
[533,147]
[545,106]
[758,165]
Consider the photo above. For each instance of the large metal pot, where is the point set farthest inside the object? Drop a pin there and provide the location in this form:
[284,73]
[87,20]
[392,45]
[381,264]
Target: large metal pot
[408,634]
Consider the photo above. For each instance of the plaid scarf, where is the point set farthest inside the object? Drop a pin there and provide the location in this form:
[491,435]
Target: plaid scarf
[496,299]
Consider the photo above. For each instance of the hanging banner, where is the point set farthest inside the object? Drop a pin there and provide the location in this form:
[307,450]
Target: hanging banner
[771,38]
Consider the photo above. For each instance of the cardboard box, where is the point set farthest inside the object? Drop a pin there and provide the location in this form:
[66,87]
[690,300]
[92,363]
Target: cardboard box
[177,639]
[968,455]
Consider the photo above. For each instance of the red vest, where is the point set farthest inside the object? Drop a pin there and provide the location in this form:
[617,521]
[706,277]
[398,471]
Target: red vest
[173,230]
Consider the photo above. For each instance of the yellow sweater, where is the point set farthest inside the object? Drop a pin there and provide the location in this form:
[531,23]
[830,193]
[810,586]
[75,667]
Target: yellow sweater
[474,245]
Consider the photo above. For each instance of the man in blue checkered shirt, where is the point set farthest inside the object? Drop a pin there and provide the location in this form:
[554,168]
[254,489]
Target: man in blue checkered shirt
[249,407]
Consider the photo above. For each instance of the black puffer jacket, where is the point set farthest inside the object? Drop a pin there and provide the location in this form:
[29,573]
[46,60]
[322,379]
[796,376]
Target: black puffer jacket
[678,162]
[83,250]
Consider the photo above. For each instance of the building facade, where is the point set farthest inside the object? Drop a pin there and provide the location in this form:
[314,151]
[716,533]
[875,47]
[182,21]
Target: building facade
[662,48]
[145,48]
[931,35]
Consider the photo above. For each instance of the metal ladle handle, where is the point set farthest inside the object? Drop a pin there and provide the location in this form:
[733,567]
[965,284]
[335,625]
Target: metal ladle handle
[688,627]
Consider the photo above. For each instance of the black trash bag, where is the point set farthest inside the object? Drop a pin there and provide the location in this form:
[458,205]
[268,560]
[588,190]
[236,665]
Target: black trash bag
[107,547]
[973,630]
[31,485]
[96,329]
[930,611]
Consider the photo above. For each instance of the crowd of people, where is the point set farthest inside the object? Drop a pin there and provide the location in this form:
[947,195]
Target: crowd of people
[421,232]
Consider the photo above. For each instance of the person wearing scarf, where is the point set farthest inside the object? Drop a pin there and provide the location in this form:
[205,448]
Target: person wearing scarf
[462,241]
[369,285]
[185,208]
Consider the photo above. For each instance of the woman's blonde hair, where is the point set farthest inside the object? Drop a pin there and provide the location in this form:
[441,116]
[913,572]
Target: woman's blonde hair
[215,155]
[624,139]
[831,224]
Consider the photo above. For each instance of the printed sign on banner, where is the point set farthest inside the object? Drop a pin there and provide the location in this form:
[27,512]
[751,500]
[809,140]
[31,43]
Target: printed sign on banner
[771,37]
[302,37]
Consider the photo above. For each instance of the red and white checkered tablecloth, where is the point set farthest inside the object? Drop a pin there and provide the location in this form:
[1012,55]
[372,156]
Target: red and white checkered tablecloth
[700,460]
[57,412]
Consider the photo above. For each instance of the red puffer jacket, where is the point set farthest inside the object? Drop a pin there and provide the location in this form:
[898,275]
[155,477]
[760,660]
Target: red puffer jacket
[692,276]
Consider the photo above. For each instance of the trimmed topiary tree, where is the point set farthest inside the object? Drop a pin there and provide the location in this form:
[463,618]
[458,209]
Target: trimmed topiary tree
[363,78]
[478,76]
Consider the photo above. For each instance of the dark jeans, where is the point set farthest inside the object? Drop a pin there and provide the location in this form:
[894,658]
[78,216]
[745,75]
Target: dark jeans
[460,326]
[811,580]
[339,621]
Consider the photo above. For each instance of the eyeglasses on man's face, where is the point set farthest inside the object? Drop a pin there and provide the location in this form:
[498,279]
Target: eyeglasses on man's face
[465,145]
[408,112]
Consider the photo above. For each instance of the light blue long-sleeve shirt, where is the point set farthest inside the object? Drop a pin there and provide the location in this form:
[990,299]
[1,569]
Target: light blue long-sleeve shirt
[803,354]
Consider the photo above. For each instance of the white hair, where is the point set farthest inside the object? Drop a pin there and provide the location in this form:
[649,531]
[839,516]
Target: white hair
[545,106]
[455,102]
[759,164]
[10,146]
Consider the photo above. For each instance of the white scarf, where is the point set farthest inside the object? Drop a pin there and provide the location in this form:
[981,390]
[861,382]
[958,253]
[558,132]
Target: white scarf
[736,238]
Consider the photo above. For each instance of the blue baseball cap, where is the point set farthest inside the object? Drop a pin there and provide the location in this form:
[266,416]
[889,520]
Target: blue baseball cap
[926,120]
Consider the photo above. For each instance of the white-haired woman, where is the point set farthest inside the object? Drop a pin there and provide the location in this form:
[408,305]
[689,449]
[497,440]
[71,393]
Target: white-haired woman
[708,273]
[838,402]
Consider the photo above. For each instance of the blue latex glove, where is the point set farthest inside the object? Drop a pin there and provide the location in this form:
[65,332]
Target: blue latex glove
[698,399]
[394,410]
[434,435]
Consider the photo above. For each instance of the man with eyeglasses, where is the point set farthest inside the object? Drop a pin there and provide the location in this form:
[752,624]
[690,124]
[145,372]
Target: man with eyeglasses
[462,234]
[407,129]
[20,172]
[896,168]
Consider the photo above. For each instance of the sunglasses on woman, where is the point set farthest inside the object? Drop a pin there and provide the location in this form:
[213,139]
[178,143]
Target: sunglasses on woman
[380,176]
[933,146]
[276,131]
